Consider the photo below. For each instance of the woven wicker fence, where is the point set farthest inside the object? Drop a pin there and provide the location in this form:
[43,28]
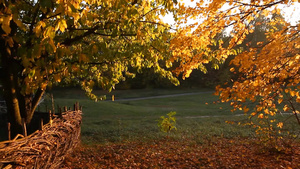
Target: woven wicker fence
[44,148]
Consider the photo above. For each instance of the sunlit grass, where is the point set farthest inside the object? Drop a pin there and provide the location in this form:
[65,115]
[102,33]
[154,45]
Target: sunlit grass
[198,116]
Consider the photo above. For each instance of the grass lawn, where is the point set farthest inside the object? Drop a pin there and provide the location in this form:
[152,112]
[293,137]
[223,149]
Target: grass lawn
[124,133]
[129,120]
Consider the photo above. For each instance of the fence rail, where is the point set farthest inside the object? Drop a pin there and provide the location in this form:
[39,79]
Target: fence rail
[45,148]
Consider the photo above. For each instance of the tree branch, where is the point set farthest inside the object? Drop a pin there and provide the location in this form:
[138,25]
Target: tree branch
[153,9]
[70,41]
[37,97]
[294,111]
[28,43]
[258,6]
[156,23]
[101,34]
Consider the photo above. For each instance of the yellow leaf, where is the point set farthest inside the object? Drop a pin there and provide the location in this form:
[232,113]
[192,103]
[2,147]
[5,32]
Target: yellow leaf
[6,24]
[10,41]
[253,114]
[18,22]
[138,34]
[76,17]
[39,27]
[246,109]
[50,32]
[255,83]
[280,100]
[57,78]
[43,86]
[266,111]
[298,99]
[62,25]
[51,43]
[286,90]
[293,93]
[280,124]
[259,108]
[286,108]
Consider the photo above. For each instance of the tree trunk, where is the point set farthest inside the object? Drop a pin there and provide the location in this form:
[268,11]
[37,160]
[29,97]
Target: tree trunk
[19,105]
[10,83]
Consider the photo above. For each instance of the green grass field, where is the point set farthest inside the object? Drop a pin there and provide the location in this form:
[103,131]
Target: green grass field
[198,117]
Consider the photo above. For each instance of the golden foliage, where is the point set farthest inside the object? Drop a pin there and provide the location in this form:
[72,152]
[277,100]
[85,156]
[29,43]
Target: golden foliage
[269,71]
[72,41]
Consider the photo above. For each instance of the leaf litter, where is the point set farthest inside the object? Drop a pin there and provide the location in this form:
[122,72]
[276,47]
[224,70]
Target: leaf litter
[187,153]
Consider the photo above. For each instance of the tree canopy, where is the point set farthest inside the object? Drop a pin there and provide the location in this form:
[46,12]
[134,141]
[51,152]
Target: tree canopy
[269,71]
[90,42]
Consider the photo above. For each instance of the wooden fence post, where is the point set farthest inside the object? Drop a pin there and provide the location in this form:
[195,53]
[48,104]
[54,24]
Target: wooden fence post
[8,131]
[53,105]
[50,118]
[42,124]
[76,106]
[60,112]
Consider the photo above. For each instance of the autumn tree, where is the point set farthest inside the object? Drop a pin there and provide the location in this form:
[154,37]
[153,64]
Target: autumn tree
[91,42]
[270,71]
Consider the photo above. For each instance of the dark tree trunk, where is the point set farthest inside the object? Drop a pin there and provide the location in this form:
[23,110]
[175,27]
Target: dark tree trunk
[10,92]
[19,105]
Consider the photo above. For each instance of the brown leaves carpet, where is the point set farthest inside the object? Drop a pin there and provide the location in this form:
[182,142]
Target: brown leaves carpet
[170,153]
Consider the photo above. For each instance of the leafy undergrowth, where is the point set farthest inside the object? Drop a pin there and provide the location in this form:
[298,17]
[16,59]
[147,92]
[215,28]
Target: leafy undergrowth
[170,153]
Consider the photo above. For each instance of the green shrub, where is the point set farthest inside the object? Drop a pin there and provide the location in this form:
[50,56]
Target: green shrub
[166,124]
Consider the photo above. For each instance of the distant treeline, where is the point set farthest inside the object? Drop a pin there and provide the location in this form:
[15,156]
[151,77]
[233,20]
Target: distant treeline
[213,76]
